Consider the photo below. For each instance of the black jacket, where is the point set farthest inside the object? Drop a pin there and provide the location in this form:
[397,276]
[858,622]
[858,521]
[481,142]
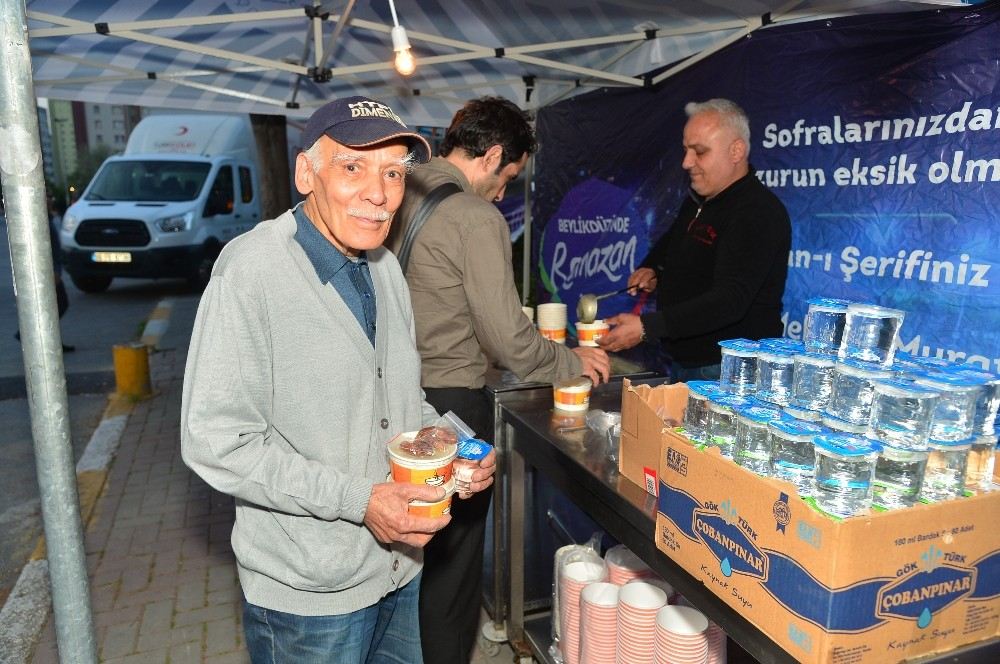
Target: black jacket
[721,271]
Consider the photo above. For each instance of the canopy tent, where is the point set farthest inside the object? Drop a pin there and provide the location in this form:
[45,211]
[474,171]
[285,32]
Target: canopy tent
[279,57]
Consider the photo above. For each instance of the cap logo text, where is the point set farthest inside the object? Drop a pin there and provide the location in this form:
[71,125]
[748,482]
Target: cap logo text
[373,109]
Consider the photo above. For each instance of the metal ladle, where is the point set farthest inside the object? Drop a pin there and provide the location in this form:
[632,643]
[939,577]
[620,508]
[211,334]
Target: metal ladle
[586,306]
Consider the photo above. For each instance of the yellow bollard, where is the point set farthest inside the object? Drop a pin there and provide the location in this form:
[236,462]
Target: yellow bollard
[132,370]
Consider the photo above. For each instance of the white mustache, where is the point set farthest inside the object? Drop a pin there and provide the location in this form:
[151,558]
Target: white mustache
[375,215]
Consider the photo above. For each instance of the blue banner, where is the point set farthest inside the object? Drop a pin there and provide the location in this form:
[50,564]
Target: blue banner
[880,134]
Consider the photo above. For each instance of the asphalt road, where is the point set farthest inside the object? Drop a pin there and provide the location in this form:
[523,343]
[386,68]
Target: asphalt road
[93,324]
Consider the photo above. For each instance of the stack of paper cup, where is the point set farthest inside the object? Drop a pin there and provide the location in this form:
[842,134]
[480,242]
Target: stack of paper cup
[654,580]
[638,604]
[574,578]
[716,644]
[529,312]
[623,565]
[552,321]
[598,623]
[681,636]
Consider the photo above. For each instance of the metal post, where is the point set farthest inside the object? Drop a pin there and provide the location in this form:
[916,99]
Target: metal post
[31,256]
[529,186]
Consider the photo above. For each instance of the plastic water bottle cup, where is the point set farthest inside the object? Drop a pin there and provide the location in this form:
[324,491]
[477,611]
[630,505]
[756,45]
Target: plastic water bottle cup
[751,447]
[696,413]
[853,390]
[812,380]
[870,333]
[988,401]
[774,377]
[793,457]
[721,430]
[982,457]
[954,413]
[947,467]
[803,414]
[824,325]
[738,372]
[845,470]
[901,414]
[899,476]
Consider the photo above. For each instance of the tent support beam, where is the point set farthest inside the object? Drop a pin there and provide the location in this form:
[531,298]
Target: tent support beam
[38,321]
[749,27]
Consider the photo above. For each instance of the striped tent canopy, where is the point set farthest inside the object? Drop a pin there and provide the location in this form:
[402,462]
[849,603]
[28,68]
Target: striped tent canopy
[288,56]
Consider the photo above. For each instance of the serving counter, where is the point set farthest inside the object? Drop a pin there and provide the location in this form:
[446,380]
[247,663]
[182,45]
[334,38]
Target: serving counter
[531,443]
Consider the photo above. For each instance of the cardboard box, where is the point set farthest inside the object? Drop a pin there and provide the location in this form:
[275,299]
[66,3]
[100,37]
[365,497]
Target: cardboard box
[873,589]
[643,410]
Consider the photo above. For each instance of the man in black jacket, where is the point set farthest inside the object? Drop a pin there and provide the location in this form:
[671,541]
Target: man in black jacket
[721,266]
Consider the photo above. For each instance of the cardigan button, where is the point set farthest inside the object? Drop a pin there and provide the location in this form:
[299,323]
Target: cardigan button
[384,423]
[379,372]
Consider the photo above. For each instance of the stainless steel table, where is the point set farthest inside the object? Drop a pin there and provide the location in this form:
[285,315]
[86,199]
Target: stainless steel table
[576,464]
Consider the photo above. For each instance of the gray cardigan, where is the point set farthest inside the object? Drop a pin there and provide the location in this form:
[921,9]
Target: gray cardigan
[288,408]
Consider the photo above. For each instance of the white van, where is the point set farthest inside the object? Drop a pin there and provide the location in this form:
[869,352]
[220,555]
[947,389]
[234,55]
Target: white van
[185,185]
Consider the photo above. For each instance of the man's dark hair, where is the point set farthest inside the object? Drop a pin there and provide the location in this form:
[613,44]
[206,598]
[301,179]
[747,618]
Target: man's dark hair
[489,121]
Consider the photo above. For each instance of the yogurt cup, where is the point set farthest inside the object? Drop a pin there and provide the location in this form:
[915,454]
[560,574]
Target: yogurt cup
[588,333]
[572,394]
[435,470]
[440,508]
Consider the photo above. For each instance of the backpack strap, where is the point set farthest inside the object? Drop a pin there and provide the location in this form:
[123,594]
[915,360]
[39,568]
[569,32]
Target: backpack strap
[427,206]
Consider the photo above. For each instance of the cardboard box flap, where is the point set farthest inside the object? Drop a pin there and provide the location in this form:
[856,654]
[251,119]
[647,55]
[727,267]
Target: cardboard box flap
[662,401]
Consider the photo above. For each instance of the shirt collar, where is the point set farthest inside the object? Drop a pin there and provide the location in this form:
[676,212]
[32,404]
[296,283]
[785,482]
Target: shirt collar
[326,258]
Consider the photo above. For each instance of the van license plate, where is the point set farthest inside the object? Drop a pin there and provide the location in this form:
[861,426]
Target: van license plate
[111,257]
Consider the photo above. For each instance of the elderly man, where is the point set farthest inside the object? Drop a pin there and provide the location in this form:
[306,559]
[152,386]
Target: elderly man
[301,367]
[721,266]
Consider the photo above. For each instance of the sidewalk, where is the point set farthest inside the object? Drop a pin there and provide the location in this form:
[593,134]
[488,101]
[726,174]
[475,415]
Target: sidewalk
[163,580]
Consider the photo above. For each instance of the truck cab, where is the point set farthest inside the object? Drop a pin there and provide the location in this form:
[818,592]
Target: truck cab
[185,186]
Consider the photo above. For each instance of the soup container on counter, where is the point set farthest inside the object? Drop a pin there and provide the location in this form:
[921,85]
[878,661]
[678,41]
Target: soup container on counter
[407,468]
[572,394]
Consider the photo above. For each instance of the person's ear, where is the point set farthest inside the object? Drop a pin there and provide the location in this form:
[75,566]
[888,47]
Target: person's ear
[492,158]
[304,174]
[738,150]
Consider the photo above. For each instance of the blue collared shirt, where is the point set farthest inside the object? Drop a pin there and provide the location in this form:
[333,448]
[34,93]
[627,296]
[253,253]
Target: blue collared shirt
[350,277]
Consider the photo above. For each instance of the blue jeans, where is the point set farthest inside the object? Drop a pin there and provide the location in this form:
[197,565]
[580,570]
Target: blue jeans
[388,632]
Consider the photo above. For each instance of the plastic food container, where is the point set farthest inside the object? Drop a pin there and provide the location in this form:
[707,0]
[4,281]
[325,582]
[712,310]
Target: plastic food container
[588,333]
[572,394]
[435,470]
[440,508]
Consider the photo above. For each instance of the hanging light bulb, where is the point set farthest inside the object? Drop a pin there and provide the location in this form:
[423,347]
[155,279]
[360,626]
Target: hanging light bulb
[404,62]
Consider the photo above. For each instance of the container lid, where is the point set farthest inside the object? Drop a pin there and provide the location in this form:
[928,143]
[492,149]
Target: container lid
[874,311]
[950,445]
[903,388]
[796,427]
[975,373]
[731,401]
[781,343]
[828,304]
[775,356]
[740,346]
[947,381]
[803,413]
[817,359]
[860,369]
[838,424]
[435,452]
[933,362]
[761,414]
[846,444]
[704,388]
[576,384]
[900,453]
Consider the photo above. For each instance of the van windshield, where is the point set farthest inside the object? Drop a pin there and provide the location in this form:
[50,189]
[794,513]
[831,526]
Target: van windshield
[152,181]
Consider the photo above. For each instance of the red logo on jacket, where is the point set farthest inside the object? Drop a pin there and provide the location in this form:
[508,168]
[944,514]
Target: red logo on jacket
[702,232]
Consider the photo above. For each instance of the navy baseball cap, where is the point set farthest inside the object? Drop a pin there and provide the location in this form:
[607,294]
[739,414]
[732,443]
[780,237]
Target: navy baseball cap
[359,122]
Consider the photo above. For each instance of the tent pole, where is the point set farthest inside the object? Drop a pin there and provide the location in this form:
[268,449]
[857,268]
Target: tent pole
[529,178]
[31,257]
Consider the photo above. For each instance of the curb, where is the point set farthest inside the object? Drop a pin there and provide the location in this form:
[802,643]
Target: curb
[27,607]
